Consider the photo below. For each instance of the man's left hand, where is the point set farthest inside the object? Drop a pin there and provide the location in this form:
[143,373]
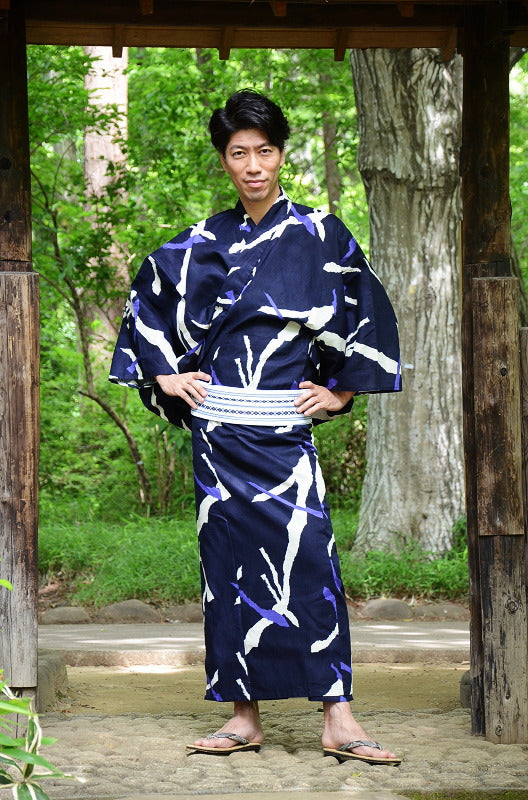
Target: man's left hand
[318,398]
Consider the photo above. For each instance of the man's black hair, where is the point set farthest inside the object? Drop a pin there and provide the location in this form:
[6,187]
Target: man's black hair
[244,110]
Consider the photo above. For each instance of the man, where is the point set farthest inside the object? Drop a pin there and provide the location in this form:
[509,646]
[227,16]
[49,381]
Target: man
[249,327]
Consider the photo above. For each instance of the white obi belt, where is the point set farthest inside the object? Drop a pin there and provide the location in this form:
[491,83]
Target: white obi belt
[271,407]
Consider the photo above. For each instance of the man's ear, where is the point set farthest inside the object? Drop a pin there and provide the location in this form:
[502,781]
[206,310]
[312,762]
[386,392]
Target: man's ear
[282,157]
[223,161]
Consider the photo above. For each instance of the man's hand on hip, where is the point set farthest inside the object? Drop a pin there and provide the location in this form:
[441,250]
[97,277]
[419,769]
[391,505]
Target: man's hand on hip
[318,398]
[185,386]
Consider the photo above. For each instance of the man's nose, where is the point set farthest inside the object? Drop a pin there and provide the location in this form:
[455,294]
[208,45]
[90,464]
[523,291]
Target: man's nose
[253,163]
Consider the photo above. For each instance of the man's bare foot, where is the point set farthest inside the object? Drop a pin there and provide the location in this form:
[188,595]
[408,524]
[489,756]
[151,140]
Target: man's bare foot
[244,722]
[340,728]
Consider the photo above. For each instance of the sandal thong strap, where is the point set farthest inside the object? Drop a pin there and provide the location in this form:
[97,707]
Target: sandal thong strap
[225,735]
[360,743]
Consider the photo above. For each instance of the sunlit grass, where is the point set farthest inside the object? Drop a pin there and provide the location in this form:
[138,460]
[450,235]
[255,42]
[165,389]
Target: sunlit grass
[156,560]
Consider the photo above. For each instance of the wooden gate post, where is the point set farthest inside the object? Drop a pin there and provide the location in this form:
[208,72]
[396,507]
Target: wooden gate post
[500,508]
[19,349]
[485,252]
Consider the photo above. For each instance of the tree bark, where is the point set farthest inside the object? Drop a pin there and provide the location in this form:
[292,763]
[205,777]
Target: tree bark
[409,114]
[107,83]
[332,176]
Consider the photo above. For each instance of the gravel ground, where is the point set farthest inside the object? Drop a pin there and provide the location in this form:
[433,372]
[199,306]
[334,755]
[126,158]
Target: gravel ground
[137,754]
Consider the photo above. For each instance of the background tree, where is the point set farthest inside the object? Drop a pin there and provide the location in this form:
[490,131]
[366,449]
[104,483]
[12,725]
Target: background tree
[409,111]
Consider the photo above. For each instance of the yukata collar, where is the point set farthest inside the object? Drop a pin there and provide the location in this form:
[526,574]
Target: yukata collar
[247,223]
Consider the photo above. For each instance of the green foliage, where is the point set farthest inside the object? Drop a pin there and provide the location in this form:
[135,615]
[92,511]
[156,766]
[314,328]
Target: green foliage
[156,560]
[341,444]
[407,573]
[153,559]
[20,756]
[518,161]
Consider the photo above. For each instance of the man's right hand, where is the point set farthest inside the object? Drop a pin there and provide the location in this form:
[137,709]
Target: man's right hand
[185,386]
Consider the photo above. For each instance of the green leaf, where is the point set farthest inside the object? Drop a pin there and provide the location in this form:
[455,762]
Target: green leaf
[5,583]
[5,778]
[28,772]
[39,793]
[9,761]
[30,758]
[33,735]
[22,791]
[15,706]
[8,741]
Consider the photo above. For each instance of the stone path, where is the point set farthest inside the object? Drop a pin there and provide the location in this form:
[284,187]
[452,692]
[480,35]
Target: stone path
[130,754]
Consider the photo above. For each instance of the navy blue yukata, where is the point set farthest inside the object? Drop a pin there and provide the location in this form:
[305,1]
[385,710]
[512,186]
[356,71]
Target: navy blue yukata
[263,306]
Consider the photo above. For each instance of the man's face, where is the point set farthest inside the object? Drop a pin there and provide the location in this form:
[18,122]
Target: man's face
[253,164]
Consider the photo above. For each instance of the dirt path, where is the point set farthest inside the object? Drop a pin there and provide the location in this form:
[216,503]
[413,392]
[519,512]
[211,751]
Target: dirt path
[155,690]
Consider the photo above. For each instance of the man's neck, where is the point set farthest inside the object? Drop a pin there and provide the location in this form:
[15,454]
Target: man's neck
[258,210]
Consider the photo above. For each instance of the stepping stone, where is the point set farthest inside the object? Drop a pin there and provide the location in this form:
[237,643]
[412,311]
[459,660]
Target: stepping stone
[386,608]
[64,615]
[189,612]
[128,611]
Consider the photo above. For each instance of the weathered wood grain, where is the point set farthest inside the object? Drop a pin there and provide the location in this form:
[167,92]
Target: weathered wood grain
[523,349]
[497,406]
[503,560]
[19,408]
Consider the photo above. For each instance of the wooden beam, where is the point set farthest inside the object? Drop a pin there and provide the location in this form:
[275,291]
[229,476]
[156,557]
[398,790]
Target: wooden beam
[406,9]
[208,14]
[19,344]
[341,44]
[118,40]
[153,36]
[226,43]
[279,8]
[448,50]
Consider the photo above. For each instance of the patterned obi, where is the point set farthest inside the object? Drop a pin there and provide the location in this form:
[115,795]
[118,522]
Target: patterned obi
[250,406]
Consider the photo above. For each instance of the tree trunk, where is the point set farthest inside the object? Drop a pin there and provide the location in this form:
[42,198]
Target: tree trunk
[332,176]
[409,114]
[107,82]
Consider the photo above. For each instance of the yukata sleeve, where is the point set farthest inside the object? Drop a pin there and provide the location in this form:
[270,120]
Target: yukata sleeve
[148,343]
[360,346]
